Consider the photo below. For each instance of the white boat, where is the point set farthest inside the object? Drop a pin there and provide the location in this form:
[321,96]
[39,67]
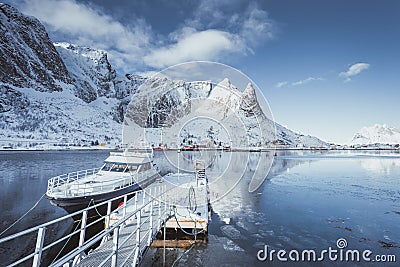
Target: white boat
[121,173]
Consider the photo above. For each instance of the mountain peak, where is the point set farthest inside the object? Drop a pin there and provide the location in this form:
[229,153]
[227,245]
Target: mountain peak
[249,91]
[225,83]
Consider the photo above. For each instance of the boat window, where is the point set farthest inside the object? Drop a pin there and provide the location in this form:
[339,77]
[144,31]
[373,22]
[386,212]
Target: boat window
[118,167]
[106,167]
[132,168]
[145,167]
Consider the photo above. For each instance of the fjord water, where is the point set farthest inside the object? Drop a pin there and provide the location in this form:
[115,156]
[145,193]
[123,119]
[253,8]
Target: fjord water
[309,200]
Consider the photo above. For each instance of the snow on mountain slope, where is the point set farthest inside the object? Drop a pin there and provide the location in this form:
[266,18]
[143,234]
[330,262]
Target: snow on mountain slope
[94,77]
[219,93]
[376,134]
[59,117]
[41,100]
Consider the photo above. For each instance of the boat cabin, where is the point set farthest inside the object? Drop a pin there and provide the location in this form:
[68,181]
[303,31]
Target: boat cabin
[126,162]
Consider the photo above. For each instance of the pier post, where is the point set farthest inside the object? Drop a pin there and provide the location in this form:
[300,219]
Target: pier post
[108,214]
[39,247]
[114,257]
[125,203]
[137,252]
[151,223]
[165,237]
[83,228]
[136,200]
[159,213]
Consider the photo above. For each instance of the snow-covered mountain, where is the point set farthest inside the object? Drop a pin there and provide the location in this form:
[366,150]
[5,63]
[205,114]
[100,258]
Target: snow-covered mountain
[63,93]
[93,75]
[42,97]
[376,134]
[201,112]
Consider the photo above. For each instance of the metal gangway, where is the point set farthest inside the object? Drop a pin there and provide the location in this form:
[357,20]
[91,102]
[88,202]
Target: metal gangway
[123,242]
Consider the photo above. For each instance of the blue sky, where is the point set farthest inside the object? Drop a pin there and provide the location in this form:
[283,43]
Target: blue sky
[327,68]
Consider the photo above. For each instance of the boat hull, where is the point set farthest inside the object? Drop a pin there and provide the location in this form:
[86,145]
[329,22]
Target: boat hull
[74,204]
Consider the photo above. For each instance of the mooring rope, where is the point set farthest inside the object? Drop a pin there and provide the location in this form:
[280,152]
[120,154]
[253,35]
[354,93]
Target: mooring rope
[192,194]
[191,234]
[23,216]
[180,257]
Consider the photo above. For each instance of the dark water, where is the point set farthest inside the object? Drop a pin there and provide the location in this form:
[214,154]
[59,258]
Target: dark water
[309,201]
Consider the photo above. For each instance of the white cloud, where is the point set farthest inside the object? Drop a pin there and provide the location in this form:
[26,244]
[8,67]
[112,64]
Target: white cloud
[257,27]
[281,84]
[309,79]
[353,70]
[196,45]
[87,26]
[246,19]
[215,31]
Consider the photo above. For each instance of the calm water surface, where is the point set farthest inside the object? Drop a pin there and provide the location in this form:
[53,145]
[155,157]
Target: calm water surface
[309,201]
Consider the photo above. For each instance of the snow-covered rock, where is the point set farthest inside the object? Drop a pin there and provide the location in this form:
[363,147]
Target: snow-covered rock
[90,69]
[28,57]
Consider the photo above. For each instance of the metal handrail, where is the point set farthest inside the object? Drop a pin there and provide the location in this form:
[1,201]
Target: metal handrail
[36,255]
[115,230]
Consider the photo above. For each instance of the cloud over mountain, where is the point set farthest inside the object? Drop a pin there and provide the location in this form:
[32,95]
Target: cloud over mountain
[211,31]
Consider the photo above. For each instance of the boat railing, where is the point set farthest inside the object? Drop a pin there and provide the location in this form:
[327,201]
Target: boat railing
[68,185]
[155,198]
[67,178]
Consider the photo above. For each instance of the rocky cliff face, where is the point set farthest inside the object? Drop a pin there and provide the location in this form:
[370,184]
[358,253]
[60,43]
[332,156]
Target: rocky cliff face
[92,73]
[94,77]
[28,57]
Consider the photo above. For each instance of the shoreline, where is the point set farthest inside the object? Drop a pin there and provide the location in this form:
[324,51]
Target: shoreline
[252,150]
[58,149]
